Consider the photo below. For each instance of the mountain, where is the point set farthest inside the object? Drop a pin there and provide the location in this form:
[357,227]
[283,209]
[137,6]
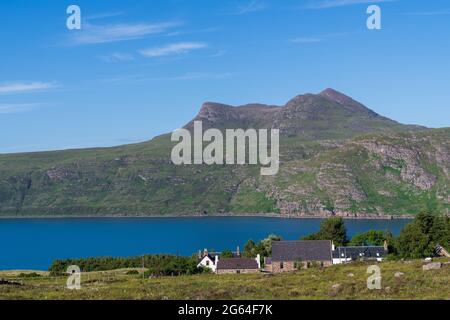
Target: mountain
[327,115]
[338,157]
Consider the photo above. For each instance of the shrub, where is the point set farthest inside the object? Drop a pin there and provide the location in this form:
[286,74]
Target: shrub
[156,264]
[132,272]
[29,275]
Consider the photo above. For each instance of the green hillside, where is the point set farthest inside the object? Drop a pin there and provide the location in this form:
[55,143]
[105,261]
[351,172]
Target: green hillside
[337,157]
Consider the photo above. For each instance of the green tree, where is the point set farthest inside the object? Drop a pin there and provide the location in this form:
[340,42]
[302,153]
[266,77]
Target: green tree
[263,247]
[267,244]
[420,238]
[226,254]
[249,249]
[331,229]
[371,238]
[412,243]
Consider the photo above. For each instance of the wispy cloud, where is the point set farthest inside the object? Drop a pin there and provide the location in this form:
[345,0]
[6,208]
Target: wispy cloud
[117,57]
[200,76]
[104,15]
[193,31]
[18,107]
[317,39]
[140,78]
[219,53]
[428,13]
[172,49]
[306,40]
[252,6]
[98,34]
[325,4]
[26,87]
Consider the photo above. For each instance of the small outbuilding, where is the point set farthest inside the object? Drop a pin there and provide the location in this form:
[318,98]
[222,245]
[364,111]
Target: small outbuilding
[238,265]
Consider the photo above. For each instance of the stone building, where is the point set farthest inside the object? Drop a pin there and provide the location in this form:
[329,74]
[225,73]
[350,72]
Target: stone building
[293,255]
[238,265]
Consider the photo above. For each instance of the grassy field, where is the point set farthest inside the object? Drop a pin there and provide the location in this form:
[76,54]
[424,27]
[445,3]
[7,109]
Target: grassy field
[336,282]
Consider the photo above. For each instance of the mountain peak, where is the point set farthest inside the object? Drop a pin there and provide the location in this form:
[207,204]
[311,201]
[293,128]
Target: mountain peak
[336,96]
[325,115]
[331,91]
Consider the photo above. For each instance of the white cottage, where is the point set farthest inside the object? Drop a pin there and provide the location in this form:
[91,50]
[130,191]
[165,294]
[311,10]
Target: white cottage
[234,264]
[208,260]
[348,254]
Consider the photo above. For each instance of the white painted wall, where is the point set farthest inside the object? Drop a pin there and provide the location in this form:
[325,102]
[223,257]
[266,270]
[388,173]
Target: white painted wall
[341,260]
[258,260]
[206,262]
[344,260]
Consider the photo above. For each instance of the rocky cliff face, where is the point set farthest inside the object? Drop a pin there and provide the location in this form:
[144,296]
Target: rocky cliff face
[375,175]
[337,158]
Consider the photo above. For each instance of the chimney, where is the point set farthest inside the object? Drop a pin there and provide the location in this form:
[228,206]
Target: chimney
[333,247]
[216,261]
[258,260]
[238,251]
[199,254]
[386,245]
[205,252]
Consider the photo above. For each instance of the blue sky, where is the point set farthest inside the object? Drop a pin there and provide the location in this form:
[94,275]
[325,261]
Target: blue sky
[141,68]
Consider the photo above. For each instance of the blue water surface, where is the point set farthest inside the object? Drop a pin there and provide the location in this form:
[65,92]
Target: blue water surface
[35,243]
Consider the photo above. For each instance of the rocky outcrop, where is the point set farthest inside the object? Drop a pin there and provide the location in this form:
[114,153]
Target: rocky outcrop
[405,160]
[339,182]
[60,174]
[432,266]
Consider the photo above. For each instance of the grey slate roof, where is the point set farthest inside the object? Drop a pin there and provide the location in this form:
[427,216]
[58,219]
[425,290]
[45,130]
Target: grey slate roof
[237,263]
[311,250]
[212,255]
[363,252]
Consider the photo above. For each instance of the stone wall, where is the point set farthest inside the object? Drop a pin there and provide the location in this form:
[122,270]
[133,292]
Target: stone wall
[285,266]
[289,266]
[233,271]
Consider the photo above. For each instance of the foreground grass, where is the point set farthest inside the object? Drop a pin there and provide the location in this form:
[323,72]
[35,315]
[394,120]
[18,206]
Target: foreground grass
[349,282]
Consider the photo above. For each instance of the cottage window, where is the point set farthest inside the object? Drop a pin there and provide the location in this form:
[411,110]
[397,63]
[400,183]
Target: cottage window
[281,265]
[207,262]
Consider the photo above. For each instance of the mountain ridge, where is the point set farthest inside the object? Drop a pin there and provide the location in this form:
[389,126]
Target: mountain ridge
[338,157]
[325,111]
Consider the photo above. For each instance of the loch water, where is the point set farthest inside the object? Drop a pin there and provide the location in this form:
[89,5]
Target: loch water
[35,243]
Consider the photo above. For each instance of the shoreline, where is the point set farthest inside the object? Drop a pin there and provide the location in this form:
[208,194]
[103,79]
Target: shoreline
[202,216]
